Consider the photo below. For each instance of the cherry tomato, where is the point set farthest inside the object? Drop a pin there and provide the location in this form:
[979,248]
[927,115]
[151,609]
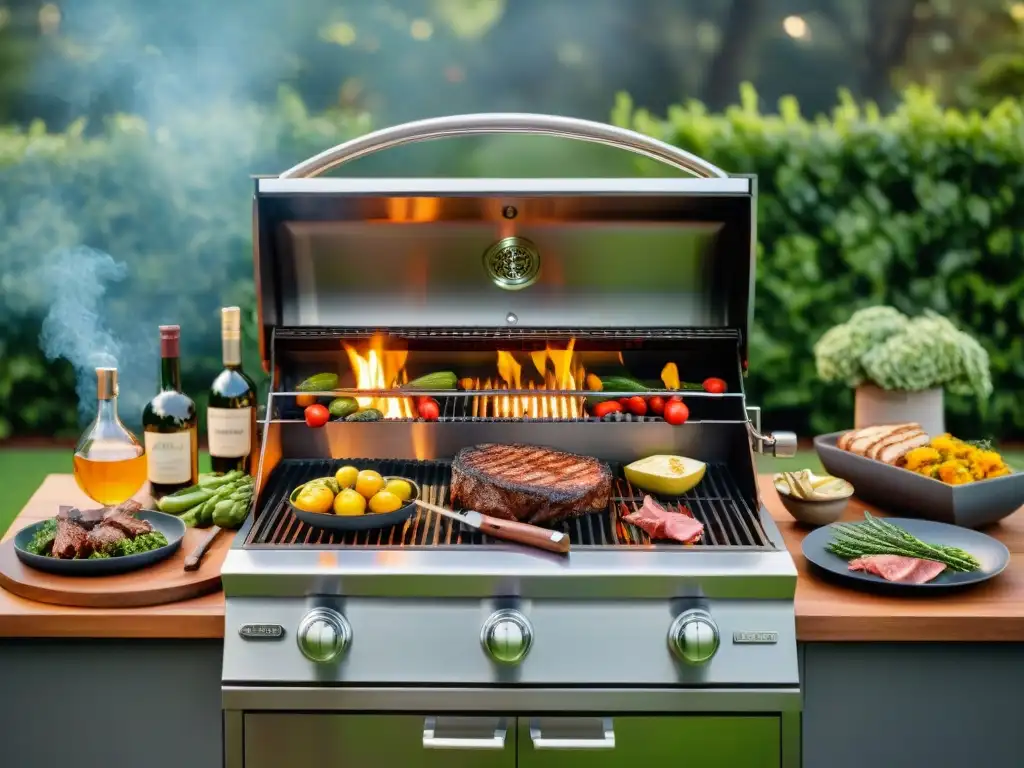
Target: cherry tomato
[428,409]
[714,386]
[676,412]
[636,405]
[674,399]
[603,409]
[624,402]
[316,415]
[656,405]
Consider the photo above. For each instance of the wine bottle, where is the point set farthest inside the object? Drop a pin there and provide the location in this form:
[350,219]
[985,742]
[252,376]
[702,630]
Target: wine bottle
[231,415]
[170,424]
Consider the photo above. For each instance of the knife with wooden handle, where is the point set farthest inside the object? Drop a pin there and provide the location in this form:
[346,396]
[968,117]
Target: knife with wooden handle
[507,530]
[193,560]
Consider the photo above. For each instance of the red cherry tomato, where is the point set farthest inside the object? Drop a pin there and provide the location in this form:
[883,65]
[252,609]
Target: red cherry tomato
[429,409]
[714,386]
[624,402]
[636,405]
[603,409]
[676,412]
[656,405]
[674,399]
[316,415]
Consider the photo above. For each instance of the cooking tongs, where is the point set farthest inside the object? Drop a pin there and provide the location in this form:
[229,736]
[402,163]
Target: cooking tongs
[507,530]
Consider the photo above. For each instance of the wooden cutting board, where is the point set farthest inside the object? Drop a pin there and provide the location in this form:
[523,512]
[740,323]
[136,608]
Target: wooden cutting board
[164,582]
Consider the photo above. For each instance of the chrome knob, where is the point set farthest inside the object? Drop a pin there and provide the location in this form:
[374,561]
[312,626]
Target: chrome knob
[693,636]
[507,636]
[324,635]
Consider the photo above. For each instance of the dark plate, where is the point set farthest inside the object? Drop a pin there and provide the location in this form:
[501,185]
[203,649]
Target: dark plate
[992,554]
[168,525]
[365,522]
[900,491]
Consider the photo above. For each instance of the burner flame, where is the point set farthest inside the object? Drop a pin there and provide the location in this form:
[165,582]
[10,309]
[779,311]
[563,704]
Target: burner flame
[377,368]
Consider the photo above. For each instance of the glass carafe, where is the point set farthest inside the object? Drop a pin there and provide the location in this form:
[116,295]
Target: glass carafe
[110,463]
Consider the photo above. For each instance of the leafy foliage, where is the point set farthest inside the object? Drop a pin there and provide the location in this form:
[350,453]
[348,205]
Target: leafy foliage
[919,209]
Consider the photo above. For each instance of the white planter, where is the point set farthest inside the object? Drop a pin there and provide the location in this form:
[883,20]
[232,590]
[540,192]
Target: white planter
[875,406]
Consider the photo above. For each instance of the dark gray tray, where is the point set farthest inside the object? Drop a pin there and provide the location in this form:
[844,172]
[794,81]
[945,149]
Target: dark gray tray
[897,490]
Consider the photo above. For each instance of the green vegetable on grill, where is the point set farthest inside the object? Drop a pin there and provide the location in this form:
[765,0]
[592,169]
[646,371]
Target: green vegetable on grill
[877,537]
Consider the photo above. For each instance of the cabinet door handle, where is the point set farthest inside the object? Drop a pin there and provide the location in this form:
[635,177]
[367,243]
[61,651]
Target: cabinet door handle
[432,741]
[605,741]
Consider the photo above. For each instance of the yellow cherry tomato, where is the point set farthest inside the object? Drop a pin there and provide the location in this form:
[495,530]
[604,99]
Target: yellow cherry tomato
[346,477]
[401,488]
[314,498]
[383,502]
[369,482]
[349,503]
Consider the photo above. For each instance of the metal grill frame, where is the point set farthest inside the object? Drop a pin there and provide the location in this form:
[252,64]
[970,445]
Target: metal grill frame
[730,521]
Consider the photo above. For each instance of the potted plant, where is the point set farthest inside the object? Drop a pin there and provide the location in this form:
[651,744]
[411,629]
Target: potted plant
[901,365]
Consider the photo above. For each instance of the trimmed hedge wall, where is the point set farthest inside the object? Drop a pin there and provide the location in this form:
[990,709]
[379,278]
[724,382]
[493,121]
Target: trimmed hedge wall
[923,208]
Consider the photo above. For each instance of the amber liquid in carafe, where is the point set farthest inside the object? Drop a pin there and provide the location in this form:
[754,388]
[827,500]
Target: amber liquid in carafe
[109,462]
[110,481]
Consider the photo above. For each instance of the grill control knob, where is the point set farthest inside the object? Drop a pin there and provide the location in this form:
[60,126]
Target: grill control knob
[507,636]
[324,635]
[693,636]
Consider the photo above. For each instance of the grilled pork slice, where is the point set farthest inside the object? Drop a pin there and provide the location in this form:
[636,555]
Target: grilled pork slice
[860,440]
[905,570]
[71,540]
[529,483]
[874,451]
[658,523]
[892,454]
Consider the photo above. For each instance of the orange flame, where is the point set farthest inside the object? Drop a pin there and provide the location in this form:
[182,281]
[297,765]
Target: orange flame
[380,369]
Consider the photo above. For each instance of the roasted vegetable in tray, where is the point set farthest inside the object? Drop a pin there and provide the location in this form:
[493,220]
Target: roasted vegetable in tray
[221,500]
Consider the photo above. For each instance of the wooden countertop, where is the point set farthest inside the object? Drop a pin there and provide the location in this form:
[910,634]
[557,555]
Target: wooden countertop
[824,612]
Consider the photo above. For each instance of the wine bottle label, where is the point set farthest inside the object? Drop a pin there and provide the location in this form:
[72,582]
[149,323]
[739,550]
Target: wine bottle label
[229,431]
[169,457]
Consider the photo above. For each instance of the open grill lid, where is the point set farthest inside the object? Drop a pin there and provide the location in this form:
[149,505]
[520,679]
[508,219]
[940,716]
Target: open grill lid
[505,253]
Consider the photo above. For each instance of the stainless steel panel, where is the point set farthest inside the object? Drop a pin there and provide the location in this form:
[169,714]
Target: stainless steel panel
[607,642]
[706,741]
[487,572]
[377,741]
[537,700]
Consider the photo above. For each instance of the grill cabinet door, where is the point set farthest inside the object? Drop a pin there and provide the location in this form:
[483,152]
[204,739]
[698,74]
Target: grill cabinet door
[378,741]
[704,741]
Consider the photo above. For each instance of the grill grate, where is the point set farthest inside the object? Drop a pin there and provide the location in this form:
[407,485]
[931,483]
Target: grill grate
[729,519]
[513,334]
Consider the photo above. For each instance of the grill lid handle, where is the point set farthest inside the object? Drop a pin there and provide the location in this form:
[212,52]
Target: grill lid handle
[504,122]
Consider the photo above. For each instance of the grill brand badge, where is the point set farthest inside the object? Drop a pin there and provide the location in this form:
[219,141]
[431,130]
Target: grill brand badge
[261,631]
[512,263]
[755,638]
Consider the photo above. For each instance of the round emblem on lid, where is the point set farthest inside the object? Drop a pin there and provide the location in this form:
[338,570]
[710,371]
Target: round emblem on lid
[512,263]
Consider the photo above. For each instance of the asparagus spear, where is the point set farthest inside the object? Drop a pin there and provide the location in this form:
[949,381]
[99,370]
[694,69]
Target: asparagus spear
[877,537]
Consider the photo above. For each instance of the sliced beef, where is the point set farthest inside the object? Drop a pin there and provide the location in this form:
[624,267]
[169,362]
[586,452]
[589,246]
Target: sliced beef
[658,523]
[529,483]
[896,568]
[71,540]
[103,537]
[131,526]
[87,518]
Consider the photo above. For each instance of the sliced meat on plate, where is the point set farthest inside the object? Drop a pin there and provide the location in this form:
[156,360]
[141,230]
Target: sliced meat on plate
[658,523]
[896,568]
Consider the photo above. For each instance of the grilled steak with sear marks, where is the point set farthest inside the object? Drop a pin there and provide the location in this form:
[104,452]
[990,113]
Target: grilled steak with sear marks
[71,540]
[529,483]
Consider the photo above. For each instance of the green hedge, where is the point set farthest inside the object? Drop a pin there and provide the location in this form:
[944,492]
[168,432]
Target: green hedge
[921,208]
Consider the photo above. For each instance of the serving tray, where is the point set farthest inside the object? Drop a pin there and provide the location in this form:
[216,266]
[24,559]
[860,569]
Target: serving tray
[898,490]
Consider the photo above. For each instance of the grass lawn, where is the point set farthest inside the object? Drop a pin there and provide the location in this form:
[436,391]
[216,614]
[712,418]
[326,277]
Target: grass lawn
[23,469]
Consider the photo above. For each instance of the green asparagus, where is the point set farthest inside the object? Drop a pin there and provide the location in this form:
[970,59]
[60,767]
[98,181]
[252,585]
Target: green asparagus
[877,537]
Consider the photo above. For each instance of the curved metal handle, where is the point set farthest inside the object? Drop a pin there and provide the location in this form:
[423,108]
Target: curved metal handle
[497,123]
[432,741]
[606,741]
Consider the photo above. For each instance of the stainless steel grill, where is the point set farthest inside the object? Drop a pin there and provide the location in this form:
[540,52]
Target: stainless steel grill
[427,643]
[729,521]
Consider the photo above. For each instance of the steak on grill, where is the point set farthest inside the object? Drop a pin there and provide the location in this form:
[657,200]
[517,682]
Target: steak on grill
[529,483]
